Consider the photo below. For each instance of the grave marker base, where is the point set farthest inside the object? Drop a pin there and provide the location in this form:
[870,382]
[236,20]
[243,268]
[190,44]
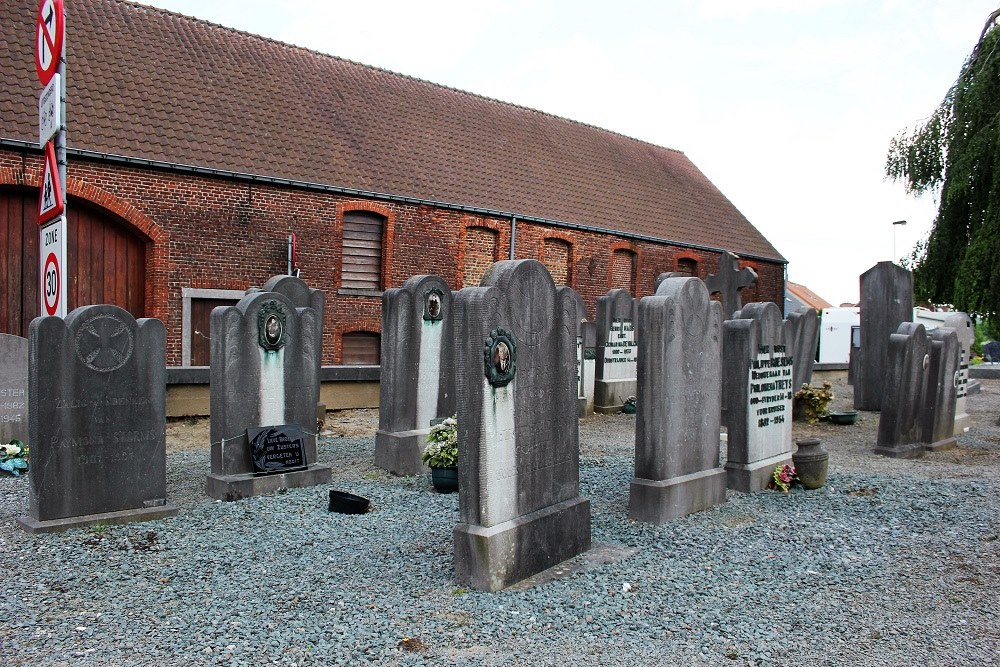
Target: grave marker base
[660,501]
[911,451]
[399,451]
[609,395]
[33,526]
[237,487]
[942,445]
[753,477]
[490,559]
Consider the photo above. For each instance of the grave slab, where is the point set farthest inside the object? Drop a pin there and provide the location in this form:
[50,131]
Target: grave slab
[886,302]
[13,388]
[900,428]
[616,352]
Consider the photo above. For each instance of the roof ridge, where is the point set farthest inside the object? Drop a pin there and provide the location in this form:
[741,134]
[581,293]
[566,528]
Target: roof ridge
[321,54]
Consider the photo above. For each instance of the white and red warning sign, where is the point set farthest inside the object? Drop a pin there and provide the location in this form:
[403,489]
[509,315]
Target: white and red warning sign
[51,269]
[50,196]
[49,39]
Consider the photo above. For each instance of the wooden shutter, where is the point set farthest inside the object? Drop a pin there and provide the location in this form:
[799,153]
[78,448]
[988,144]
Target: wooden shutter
[362,251]
[201,326]
[361,347]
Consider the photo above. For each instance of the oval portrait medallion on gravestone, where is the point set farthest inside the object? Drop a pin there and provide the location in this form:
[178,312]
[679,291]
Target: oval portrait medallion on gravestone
[500,358]
[432,305]
[271,322]
[104,343]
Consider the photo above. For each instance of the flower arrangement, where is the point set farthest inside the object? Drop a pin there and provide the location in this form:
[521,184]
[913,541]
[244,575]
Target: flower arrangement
[442,445]
[815,400]
[14,457]
[783,477]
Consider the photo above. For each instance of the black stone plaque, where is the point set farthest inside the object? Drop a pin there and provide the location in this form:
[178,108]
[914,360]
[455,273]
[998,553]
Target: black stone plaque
[276,449]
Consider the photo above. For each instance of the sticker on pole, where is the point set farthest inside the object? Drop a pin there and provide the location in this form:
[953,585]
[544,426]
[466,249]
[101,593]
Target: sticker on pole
[52,267]
[49,39]
[50,198]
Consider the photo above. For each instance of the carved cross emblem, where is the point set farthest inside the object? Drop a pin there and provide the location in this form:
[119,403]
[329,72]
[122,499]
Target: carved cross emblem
[729,282]
[104,343]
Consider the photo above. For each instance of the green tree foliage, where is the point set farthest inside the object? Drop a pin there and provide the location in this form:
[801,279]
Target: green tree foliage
[956,153]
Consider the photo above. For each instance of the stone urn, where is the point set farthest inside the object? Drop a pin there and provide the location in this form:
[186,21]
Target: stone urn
[811,463]
[445,480]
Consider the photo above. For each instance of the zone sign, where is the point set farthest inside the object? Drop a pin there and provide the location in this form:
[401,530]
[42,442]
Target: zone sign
[50,31]
[52,267]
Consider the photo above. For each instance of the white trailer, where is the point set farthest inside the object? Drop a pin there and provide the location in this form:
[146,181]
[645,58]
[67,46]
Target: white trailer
[835,334]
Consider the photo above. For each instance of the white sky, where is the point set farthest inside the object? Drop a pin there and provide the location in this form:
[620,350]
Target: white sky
[788,106]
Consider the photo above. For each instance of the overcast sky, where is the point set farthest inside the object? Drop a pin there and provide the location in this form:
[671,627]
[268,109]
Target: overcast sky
[788,106]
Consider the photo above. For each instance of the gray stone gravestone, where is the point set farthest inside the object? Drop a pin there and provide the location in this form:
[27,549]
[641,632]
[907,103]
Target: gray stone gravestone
[519,504]
[589,334]
[264,373]
[965,328]
[729,281]
[802,338]
[940,390]
[301,296]
[13,388]
[97,420]
[616,351]
[581,374]
[900,426]
[886,302]
[991,352]
[758,378]
[679,402]
[417,378]
[663,276]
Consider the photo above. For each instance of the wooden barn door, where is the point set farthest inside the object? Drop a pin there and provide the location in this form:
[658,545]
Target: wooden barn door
[106,260]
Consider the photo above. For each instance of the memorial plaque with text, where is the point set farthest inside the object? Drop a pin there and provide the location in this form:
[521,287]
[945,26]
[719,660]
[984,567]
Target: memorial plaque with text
[769,414]
[276,449]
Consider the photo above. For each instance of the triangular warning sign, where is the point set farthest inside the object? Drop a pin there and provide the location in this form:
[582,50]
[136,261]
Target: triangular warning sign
[50,199]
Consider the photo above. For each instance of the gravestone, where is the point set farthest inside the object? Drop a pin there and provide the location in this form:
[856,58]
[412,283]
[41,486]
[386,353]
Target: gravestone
[965,329]
[519,491]
[802,337]
[729,281]
[13,389]
[663,276]
[679,401]
[264,374]
[886,302]
[97,420]
[581,360]
[940,390]
[901,423]
[301,296]
[758,372]
[589,352]
[991,352]
[616,351]
[417,377]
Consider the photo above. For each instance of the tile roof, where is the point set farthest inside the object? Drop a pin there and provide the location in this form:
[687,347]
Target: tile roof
[152,84]
[807,296]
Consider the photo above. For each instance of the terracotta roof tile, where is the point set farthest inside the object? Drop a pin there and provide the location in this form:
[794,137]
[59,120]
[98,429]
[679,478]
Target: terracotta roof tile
[148,83]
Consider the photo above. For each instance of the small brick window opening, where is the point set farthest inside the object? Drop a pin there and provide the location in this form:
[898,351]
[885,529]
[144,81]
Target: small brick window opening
[687,266]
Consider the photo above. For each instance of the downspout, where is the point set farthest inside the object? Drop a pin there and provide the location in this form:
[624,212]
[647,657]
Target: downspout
[513,235]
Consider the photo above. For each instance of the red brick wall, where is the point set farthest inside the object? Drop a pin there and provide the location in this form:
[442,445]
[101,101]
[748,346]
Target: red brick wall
[218,233]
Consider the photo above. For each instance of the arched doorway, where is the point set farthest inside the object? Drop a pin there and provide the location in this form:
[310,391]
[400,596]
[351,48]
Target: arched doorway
[106,260]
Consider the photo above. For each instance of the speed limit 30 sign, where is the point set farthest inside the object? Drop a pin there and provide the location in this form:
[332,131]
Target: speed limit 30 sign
[53,274]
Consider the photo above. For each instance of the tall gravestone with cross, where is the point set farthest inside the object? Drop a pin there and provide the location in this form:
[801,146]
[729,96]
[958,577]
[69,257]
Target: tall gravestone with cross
[729,281]
[965,330]
[265,387]
[940,390]
[679,400]
[417,379]
[886,302]
[520,509]
[617,351]
[901,422]
[97,420]
[759,374]
[13,388]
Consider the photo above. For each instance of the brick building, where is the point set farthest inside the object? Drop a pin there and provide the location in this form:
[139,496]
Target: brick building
[196,150]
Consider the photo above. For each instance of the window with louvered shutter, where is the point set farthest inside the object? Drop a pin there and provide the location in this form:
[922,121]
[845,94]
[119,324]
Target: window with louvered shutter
[361,348]
[362,251]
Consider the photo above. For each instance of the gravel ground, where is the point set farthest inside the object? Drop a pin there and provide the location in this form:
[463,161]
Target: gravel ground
[892,563]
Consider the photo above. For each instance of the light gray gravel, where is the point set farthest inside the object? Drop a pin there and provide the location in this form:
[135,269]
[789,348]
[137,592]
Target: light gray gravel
[892,563]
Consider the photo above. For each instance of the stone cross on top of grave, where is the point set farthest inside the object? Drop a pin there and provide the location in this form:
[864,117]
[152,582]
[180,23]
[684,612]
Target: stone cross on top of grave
[729,281]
